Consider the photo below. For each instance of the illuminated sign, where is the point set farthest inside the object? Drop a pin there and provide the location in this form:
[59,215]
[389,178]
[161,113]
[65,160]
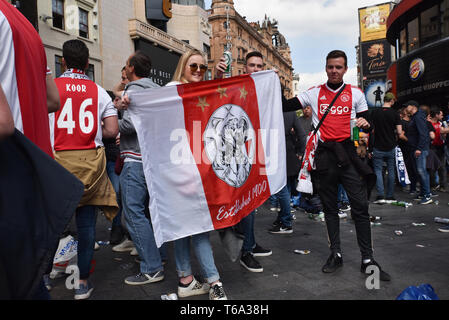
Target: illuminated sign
[376,57]
[416,69]
[373,22]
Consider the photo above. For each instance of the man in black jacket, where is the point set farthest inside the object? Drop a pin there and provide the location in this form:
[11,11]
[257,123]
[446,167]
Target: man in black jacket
[419,143]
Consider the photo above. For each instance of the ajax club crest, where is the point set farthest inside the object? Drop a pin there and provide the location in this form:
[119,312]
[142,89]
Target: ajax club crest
[230,144]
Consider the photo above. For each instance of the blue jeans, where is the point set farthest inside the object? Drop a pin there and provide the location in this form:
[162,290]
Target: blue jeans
[134,202]
[203,251]
[86,219]
[378,159]
[423,173]
[284,216]
[115,180]
[342,196]
[274,201]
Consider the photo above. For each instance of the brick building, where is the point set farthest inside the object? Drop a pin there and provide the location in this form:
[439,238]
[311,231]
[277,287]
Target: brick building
[247,37]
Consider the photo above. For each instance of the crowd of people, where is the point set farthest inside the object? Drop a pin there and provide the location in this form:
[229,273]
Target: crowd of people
[92,136]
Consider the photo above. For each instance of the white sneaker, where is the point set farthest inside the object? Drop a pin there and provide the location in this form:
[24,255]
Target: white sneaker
[195,288]
[342,214]
[216,292]
[134,252]
[126,245]
[96,246]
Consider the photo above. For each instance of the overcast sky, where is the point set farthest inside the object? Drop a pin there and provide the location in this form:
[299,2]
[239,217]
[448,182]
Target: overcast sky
[312,28]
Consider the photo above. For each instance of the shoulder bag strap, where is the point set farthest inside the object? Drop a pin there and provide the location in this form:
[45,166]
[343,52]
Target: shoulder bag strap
[328,109]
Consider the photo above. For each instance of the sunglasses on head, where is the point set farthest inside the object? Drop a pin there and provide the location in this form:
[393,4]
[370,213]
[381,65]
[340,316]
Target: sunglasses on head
[195,66]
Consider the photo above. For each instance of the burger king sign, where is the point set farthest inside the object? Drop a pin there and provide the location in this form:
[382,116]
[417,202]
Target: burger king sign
[416,69]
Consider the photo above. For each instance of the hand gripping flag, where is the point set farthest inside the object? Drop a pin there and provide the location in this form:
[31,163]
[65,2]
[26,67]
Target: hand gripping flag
[212,151]
[308,164]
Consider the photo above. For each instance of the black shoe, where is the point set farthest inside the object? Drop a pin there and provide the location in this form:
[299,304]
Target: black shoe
[333,263]
[250,263]
[258,251]
[276,223]
[116,236]
[382,274]
[281,229]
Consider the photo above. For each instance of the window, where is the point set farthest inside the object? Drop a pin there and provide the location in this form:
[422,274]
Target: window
[403,42]
[84,23]
[445,18]
[430,25]
[58,66]
[58,14]
[90,72]
[413,35]
[206,50]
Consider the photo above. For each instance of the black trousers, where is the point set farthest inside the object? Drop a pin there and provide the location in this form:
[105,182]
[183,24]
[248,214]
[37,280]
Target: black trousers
[328,176]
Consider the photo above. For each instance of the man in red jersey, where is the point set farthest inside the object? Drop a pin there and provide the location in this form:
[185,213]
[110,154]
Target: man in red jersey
[37,195]
[336,158]
[86,117]
[23,76]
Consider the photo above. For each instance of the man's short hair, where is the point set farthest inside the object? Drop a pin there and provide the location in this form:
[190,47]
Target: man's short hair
[411,103]
[141,63]
[434,111]
[337,54]
[389,96]
[76,54]
[253,54]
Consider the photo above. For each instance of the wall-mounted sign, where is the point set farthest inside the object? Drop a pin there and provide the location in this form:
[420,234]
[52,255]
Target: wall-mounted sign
[158,10]
[416,69]
[373,22]
[374,89]
[376,57]
[163,62]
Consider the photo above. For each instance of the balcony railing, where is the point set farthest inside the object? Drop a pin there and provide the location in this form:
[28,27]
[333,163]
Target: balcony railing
[139,29]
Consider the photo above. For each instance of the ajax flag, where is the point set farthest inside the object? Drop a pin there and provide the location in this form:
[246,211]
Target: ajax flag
[212,151]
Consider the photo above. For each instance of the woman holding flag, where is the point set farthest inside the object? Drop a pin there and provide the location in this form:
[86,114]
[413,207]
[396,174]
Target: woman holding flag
[191,68]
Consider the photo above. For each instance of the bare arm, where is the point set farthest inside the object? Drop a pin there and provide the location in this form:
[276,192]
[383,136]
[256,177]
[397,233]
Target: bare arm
[119,88]
[53,102]
[110,127]
[399,131]
[6,120]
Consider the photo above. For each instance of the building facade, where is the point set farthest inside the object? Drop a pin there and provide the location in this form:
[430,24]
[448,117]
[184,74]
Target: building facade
[112,30]
[189,23]
[246,37]
[419,30]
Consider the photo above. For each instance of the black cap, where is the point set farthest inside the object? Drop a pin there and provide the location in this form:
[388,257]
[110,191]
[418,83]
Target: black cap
[411,103]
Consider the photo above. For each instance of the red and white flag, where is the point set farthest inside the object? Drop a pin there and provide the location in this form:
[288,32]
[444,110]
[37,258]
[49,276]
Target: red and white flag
[212,151]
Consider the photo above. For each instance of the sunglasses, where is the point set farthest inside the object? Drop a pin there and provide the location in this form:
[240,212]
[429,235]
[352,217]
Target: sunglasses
[195,66]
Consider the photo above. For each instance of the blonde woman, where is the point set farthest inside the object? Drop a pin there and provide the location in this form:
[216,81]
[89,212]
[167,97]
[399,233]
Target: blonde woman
[191,68]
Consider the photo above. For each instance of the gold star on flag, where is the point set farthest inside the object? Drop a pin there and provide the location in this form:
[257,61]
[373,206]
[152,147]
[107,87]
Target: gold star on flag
[222,92]
[243,93]
[202,103]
